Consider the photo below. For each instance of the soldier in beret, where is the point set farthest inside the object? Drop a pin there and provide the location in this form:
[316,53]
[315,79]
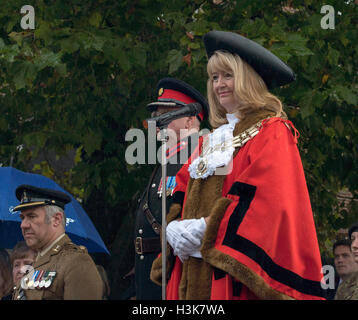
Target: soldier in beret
[348,289]
[61,270]
[173,94]
[246,200]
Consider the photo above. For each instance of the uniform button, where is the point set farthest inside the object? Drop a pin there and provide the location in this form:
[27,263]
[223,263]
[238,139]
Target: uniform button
[140,231]
[141,257]
[153,185]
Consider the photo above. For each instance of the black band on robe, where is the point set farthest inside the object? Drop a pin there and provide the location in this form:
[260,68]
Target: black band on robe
[246,194]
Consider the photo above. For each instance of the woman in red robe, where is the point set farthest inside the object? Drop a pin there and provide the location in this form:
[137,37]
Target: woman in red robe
[242,226]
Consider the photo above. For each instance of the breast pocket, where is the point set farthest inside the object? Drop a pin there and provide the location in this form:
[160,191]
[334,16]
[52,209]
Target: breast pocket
[53,291]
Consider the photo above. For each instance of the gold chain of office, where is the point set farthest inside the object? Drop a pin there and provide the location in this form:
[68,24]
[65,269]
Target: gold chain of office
[235,142]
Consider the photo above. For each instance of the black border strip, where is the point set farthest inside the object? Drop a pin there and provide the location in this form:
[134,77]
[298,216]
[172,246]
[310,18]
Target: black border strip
[178,197]
[246,193]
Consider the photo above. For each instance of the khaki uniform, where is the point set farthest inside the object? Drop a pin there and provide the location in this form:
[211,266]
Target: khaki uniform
[348,289]
[75,276]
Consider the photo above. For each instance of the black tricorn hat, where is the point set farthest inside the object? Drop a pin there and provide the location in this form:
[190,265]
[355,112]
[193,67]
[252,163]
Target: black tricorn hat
[272,70]
[174,93]
[353,228]
[30,196]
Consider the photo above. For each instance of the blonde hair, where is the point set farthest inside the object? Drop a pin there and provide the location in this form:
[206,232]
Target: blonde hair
[250,90]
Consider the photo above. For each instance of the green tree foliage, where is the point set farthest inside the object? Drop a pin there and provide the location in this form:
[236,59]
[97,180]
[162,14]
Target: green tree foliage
[83,76]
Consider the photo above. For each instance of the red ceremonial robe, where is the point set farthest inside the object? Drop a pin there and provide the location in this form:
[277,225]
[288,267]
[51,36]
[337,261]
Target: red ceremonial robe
[260,242]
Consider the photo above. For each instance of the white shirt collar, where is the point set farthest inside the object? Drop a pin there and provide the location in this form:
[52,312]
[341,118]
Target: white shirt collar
[231,118]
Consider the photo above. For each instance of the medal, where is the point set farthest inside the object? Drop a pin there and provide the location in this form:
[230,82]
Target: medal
[43,279]
[24,282]
[170,185]
[51,276]
[28,272]
[38,279]
[30,285]
[160,189]
[202,167]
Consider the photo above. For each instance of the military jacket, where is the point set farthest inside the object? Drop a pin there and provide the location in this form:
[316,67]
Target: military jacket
[348,289]
[144,232]
[65,272]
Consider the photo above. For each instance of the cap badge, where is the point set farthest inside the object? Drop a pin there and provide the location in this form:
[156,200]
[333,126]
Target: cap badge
[24,197]
[160,92]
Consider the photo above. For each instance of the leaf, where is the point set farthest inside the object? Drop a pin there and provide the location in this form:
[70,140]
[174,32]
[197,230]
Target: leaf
[189,35]
[339,125]
[194,45]
[282,52]
[123,60]
[95,19]
[18,37]
[139,56]
[344,40]
[47,59]
[174,59]
[296,40]
[44,32]
[78,154]
[347,95]
[19,78]
[69,45]
[302,51]
[187,59]
[311,101]
[90,40]
[325,78]
[61,69]
[333,56]
[24,73]
[307,107]
[92,142]
[330,132]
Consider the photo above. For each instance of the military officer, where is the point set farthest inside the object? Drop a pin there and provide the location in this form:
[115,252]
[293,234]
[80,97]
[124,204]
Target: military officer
[61,270]
[173,94]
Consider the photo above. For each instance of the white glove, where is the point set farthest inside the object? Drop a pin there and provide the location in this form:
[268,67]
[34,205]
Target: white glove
[196,227]
[177,233]
[185,237]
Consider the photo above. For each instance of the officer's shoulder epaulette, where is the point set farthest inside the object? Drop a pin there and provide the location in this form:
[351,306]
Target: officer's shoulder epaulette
[70,246]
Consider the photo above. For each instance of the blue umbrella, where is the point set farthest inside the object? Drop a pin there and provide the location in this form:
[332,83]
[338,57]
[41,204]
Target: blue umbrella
[79,227]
